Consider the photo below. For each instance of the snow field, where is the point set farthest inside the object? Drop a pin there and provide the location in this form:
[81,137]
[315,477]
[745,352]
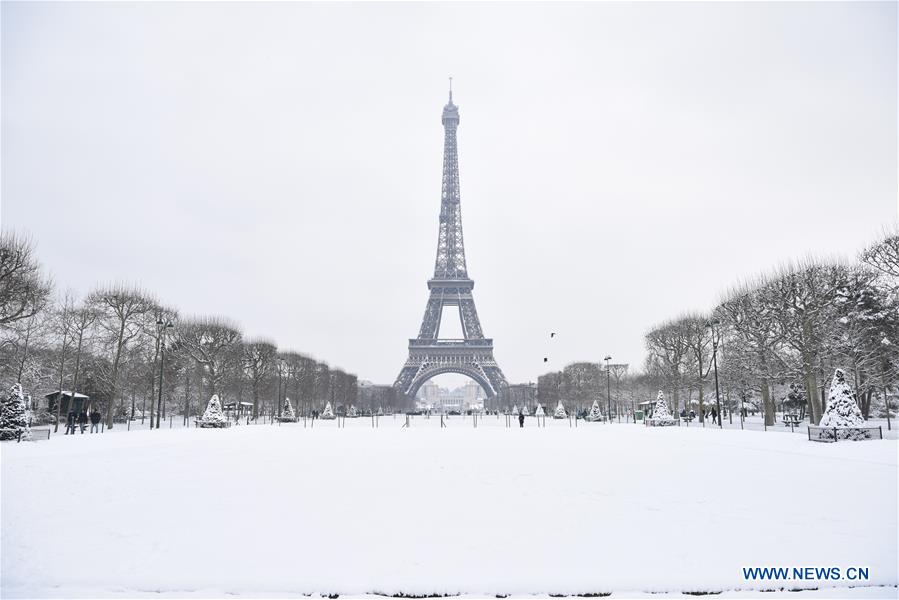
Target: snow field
[284,510]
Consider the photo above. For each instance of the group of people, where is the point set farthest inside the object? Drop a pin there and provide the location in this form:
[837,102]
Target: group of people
[708,414]
[81,420]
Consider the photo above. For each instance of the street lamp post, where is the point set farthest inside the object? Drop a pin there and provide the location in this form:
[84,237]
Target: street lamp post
[608,390]
[161,327]
[280,370]
[711,325]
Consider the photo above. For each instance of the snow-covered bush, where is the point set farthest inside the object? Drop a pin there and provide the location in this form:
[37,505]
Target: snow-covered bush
[328,413]
[287,413]
[525,411]
[13,421]
[560,412]
[539,412]
[213,416]
[595,413]
[842,408]
[352,412]
[661,416]
[515,409]
[380,411]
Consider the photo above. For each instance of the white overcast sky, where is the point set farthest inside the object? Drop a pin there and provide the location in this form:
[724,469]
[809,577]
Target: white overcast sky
[280,163]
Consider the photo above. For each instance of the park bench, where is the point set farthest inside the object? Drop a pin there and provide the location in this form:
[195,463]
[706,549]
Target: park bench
[197,424]
[790,420]
[37,434]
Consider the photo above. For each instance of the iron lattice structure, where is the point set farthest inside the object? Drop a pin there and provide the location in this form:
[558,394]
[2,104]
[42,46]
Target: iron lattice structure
[450,287]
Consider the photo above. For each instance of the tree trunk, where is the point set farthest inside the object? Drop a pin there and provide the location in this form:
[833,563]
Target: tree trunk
[110,408]
[814,400]
[255,398]
[865,401]
[767,402]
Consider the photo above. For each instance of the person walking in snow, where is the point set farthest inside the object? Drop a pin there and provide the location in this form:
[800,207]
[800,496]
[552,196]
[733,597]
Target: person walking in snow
[82,421]
[70,422]
[95,421]
[521,419]
[715,417]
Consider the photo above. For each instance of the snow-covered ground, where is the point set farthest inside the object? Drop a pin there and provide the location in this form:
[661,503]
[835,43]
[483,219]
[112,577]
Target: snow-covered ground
[278,511]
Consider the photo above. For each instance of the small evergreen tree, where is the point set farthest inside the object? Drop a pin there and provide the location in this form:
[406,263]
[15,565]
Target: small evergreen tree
[515,409]
[525,411]
[213,416]
[842,408]
[287,413]
[352,412]
[328,413]
[560,412]
[539,412]
[12,415]
[380,411]
[660,411]
[595,413]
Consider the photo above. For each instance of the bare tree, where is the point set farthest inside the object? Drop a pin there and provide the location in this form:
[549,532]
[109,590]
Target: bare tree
[121,311]
[618,372]
[805,316]
[698,337]
[582,383]
[213,343]
[884,255]
[668,344]
[750,314]
[258,359]
[24,290]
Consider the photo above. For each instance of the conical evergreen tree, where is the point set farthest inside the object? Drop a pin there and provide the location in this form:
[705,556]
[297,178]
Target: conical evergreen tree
[380,411]
[515,409]
[842,407]
[595,413]
[352,412]
[560,412]
[287,413]
[660,411]
[12,415]
[213,416]
[525,411]
[328,413]
[539,412]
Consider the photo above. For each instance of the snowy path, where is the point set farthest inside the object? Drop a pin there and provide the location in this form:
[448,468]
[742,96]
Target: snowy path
[278,511]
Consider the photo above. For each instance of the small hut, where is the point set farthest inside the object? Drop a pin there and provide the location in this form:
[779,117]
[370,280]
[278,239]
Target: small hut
[67,399]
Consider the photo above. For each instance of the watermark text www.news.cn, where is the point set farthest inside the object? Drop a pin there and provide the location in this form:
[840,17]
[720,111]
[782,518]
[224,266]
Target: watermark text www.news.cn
[805,573]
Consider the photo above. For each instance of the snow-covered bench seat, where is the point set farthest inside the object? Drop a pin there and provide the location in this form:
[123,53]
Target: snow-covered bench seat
[661,422]
[198,423]
[833,434]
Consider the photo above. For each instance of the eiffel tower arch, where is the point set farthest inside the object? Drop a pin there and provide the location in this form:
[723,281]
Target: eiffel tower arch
[450,288]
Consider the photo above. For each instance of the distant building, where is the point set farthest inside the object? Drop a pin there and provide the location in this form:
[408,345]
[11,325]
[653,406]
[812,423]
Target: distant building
[467,397]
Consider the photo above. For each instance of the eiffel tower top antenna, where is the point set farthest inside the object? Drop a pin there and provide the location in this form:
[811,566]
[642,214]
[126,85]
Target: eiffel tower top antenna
[451,90]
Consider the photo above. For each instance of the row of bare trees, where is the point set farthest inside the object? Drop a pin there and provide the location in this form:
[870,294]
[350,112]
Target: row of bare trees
[117,343]
[786,332]
[579,384]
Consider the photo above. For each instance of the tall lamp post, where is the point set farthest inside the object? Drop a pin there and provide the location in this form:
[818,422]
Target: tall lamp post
[161,327]
[711,325]
[281,364]
[608,390]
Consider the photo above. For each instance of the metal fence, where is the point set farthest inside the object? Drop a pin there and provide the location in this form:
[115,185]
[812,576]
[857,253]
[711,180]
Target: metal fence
[835,434]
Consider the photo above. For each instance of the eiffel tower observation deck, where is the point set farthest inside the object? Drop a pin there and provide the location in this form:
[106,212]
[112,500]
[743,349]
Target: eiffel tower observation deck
[450,287]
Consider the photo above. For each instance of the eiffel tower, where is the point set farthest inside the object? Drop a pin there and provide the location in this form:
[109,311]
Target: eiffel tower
[429,355]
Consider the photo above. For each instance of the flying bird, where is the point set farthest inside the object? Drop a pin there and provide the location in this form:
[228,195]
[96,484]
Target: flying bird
[552,334]
[545,359]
